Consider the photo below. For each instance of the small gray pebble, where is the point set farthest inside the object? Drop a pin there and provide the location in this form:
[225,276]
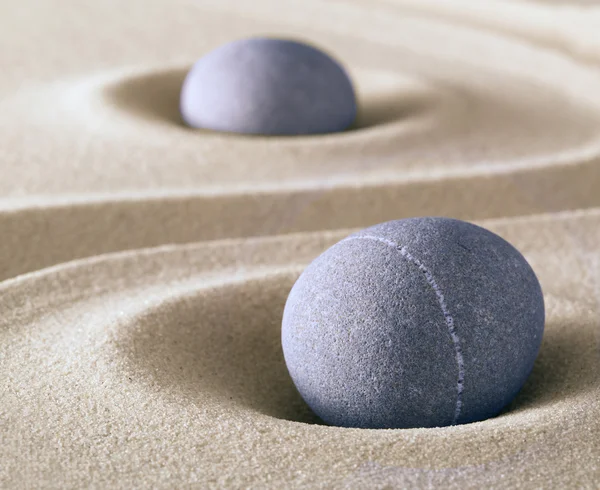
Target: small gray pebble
[268,86]
[422,322]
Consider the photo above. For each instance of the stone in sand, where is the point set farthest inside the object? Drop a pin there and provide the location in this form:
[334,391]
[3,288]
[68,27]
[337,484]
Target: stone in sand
[268,86]
[419,322]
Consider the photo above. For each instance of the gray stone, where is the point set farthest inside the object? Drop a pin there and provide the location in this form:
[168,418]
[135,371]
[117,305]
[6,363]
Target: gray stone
[420,322]
[268,86]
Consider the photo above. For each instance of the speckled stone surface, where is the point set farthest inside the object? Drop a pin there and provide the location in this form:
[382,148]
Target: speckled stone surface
[268,86]
[419,322]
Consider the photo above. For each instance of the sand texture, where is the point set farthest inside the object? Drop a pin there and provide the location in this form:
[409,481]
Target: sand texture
[144,266]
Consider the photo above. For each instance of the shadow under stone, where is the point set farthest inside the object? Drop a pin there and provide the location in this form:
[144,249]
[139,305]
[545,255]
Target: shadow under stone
[155,96]
[225,344]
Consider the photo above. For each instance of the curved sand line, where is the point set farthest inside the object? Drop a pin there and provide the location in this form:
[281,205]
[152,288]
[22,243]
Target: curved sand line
[38,236]
[193,332]
[126,366]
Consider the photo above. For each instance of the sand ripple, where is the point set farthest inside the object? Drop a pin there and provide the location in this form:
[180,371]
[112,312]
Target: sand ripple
[181,345]
[144,266]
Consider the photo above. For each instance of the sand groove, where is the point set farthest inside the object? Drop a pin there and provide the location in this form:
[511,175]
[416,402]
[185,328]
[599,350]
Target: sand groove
[144,266]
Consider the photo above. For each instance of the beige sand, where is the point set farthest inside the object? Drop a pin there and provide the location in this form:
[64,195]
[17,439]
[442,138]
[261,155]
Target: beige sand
[144,266]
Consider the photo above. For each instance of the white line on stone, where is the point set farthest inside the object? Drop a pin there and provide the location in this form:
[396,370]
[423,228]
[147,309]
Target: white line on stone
[442,302]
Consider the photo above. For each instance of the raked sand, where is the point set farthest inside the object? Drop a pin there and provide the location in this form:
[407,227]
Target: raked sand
[144,266]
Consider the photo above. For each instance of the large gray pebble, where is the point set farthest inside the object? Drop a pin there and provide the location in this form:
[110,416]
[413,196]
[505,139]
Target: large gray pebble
[414,323]
[268,86]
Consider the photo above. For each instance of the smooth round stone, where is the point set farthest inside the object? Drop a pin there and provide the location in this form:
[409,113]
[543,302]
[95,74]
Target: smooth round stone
[420,322]
[268,86]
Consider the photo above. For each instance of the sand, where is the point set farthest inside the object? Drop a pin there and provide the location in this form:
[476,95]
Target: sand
[144,266]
